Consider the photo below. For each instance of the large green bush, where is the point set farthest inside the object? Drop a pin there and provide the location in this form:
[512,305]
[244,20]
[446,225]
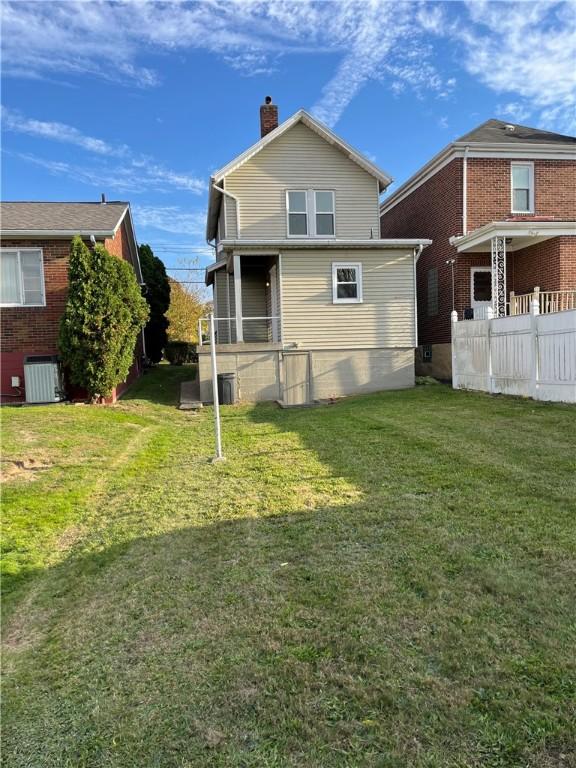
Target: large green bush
[158,297]
[104,313]
[180,353]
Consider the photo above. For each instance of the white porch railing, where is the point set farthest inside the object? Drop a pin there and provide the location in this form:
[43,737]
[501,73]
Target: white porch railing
[549,301]
[254,329]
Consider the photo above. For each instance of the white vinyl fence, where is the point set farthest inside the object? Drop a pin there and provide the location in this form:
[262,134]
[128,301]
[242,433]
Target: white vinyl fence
[531,355]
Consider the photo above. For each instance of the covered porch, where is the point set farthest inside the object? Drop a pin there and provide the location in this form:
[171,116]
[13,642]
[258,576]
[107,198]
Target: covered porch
[505,266]
[246,300]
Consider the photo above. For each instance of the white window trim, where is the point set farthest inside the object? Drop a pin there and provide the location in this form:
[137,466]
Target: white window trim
[21,282]
[530,166]
[310,214]
[336,265]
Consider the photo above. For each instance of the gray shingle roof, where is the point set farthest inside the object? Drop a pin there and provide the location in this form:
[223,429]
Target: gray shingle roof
[73,217]
[495,132]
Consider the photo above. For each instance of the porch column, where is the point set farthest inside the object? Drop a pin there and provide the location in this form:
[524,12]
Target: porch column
[499,276]
[238,298]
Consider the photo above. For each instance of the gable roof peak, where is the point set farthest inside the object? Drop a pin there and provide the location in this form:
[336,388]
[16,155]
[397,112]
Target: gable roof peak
[493,131]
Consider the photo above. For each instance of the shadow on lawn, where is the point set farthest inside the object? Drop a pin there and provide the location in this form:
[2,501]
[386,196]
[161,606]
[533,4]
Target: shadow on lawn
[396,628]
[313,638]
[161,384]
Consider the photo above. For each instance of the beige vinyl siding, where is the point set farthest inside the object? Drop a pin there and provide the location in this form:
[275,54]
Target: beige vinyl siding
[229,207]
[300,159]
[384,319]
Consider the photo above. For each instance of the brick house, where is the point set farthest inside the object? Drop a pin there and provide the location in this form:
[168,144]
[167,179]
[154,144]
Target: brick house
[34,252]
[501,202]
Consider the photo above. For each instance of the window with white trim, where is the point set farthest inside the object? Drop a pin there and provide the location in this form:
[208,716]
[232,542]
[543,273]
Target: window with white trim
[522,182]
[297,213]
[324,212]
[21,277]
[311,213]
[346,283]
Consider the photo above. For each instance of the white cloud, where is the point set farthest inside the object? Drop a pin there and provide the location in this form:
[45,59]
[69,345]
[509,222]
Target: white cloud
[515,110]
[527,50]
[524,52]
[136,173]
[171,219]
[129,177]
[16,122]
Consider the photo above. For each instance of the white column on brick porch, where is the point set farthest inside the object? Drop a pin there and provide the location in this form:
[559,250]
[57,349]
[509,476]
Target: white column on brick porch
[238,298]
[499,276]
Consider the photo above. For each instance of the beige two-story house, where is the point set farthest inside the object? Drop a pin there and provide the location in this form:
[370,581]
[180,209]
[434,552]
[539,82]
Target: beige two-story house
[310,303]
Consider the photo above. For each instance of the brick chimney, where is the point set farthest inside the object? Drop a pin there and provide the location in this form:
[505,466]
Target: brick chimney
[268,116]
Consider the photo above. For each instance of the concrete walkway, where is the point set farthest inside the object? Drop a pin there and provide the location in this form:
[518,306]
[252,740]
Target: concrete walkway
[190,396]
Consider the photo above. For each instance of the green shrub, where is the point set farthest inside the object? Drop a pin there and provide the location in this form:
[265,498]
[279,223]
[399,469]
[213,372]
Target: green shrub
[180,352]
[104,314]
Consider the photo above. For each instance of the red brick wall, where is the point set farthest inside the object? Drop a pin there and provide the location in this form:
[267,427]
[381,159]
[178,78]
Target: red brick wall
[34,330]
[119,245]
[434,211]
[489,195]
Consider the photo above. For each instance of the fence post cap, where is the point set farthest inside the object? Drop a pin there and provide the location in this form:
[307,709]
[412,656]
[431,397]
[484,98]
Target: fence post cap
[454,316]
[489,313]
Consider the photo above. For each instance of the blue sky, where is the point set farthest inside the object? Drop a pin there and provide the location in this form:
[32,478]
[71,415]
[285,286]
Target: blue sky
[143,100]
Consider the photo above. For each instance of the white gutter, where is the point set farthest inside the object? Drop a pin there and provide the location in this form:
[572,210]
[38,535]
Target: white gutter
[229,194]
[317,243]
[465,191]
[417,254]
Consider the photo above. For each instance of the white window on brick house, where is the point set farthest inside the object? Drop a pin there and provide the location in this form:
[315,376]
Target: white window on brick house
[346,283]
[22,277]
[522,183]
[432,292]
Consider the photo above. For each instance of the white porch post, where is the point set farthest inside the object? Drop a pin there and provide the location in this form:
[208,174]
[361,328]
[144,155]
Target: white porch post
[238,298]
[499,276]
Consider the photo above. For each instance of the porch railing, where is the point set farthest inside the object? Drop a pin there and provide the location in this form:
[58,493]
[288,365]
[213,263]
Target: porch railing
[254,329]
[549,301]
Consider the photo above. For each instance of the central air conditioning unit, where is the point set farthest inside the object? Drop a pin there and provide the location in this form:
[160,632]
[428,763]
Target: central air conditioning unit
[43,379]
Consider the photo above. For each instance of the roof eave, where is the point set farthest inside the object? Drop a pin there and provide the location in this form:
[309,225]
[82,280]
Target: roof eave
[57,233]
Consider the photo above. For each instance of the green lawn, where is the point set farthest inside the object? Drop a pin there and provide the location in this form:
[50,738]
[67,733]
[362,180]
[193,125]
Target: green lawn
[389,581]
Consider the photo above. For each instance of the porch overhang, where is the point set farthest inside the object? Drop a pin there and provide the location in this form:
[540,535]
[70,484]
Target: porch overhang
[518,235]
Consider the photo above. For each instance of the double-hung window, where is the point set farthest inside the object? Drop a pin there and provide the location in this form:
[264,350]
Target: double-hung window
[522,181]
[311,213]
[21,277]
[346,283]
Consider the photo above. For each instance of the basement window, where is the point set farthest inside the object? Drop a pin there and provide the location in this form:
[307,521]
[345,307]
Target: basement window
[346,283]
[522,179]
[22,278]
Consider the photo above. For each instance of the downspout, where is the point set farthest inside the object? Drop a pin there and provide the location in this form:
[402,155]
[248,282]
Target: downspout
[417,254]
[465,191]
[229,194]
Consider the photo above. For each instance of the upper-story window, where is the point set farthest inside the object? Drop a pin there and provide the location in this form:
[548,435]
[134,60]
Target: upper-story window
[311,213]
[22,277]
[522,180]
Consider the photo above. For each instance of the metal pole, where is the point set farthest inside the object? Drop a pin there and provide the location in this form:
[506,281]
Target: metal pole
[218,456]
